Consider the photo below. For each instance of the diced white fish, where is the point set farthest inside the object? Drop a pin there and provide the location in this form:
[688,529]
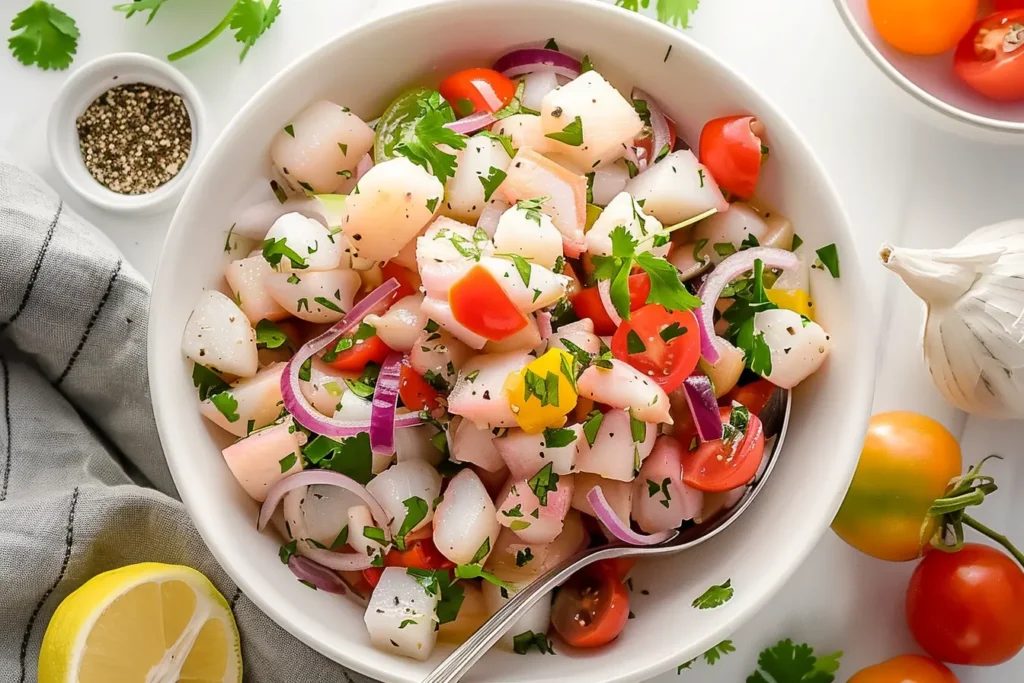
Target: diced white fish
[614,454]
[526,339]
[318,297]
[449,241]
[400,325]
[540,288]
[265,457]
[538,84]
[415,443]
[325,387]
[579,333]
[606,118]
[219,336]
[799,277]
[529,234]
[619,494]
[359,518]
[440,312]
[623,211]
[688,261]
[400,616]
[309,239]
[402,481]
[677,188]
[483,159]
[532,176]
[525,454]
[439,354]
[324,511]
[246,278]
[525,131]
[536,619]
[503,560]
[479,394]
[724,233]
[798,346]
[538,523]
[475,445]
[623,386]
[465,527]
[661,500]
[351,407]
[258,398]
[608,182]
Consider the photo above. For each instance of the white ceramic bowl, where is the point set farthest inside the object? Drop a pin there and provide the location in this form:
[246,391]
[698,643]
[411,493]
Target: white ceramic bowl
[364,70]
[941,98]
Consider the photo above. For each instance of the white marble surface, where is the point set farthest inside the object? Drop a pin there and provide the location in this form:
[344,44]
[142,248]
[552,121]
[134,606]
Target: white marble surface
[899,179]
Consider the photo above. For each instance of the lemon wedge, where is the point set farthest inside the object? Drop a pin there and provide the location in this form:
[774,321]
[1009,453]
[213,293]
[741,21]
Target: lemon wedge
[144,623]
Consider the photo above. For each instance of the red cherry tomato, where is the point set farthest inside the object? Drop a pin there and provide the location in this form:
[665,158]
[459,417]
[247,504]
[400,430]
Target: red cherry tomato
[1003,5]
[990,58]
[731,149]
[422,554]
[753,396]
[717,466]
[592,608]
[641,342]
[476,90]
[371,350]
[906,669]
[587,303]
[407,280]
[967,607]
[481,306]
[415,392]
[620,566]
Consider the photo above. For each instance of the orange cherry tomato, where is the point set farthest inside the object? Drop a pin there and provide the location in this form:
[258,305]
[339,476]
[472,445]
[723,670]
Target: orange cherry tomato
[370,350]
[407,284]
[422,554]
[731,149]
[990,58]
[753,396]
[592,608]
[719,466]
[922,27]
[906,669]
[474,90]
[415,392]
[641,342]
[587,303]
[481,306]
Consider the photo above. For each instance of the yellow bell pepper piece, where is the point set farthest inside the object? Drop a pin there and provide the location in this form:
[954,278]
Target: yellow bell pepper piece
[593,213]
[543,392]
[798,300]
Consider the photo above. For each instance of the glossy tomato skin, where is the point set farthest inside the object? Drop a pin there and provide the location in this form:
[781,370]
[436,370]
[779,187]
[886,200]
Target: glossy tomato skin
[754,395]
[667,363]
[716,467]
[592,607]
[473,90]
[730,147]
[422,554]
[981,62]
[480,305]
[370,350]
[922,27]
[905,464]
[906,669]
[1003,5]
[407,280]
[415,392]
[587,303]
[967,607]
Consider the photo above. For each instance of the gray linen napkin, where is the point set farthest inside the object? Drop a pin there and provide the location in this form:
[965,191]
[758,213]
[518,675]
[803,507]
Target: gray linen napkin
[83,483]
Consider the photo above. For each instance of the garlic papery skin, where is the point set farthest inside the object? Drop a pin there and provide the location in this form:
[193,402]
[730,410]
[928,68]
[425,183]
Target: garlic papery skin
[973,336]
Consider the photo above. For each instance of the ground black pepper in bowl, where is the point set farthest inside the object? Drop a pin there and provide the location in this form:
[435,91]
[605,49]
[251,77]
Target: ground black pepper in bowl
[134,138]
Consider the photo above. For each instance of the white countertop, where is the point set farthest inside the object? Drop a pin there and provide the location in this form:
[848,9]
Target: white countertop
[900,180]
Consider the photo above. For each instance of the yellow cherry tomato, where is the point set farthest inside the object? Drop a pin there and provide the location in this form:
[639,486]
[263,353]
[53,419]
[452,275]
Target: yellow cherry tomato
[798,300]
[923,27]
[543,392]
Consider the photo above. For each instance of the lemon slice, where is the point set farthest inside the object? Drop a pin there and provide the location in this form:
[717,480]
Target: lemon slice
[144,623]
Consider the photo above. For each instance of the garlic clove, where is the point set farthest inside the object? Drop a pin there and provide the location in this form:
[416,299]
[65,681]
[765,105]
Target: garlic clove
[938,276]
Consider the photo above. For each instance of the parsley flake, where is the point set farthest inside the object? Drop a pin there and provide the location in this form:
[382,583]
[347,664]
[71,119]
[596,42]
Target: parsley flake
[571,135]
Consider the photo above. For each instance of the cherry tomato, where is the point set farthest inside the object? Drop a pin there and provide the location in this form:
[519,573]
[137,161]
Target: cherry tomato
[422,554]
[407,284]
[967,607]
[717,466]
[640,341]
[587,303]
[989,58]
[906,669]
[905,464]
[370,350]
[480,305]
[753,396]
[1003,5]
[474,90]
[620,566]
[415,392]
[592,608]
[731,149]
[922,27]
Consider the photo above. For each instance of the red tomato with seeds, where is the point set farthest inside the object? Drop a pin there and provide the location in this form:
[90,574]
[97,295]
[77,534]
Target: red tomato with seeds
[592,608]
[722,465]
[415,392]
[990,58]
[732,150]
[754,396]
[422,554]
[663,345]
[473,90]
[587,303]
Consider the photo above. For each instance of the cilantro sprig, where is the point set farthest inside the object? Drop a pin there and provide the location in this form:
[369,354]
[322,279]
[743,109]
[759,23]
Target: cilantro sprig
[671,12]
[48,37]
[750,298]
[786,662]
[420,139]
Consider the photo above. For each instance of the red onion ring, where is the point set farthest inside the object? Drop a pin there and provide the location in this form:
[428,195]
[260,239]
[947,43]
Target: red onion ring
[526,60]
[316,574]
[295,525]
[385,402]
[604,289]
[544,324]
[328,478]
[725,272]
[700,397]
[659,124]
[472,123]
[616,526]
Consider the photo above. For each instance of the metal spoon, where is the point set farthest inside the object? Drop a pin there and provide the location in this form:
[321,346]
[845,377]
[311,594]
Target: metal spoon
[774,417]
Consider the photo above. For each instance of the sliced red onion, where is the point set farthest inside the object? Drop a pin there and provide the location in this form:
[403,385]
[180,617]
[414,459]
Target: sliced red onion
[619,528]
[364,165]
[725,272]
[700,397]
[659,124]
[295,526]
[328,478]
[544,324]
[316,574]
[604,289]
[472,123]
[385,403]
[294,400]
[527,60]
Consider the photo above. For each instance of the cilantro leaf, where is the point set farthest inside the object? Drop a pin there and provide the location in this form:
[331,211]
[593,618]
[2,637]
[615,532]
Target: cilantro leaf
[249,19]
[226,404]
[716,652]
[558,438]
[48,38]
[475,571]
[618,289]
[415,511]
[634,344]
[571,135]
[420,140]
[505,140]
[269,335]
[276,249]
[592,426]
[829,257]
[715,596]
[524,557]
[551,45]
[543,483]
[351,456]
[666,287]
[516,105]
[481,553]
[287,462]
[623,244]
[797,241]
[523,267]
[438,582]
[672,331]
[790,663]
[522,643]
[207,381]
[140,6]
[491,181]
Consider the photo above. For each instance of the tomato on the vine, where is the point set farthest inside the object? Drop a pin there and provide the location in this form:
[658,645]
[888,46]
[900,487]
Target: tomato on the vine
[731,147]
[473,90]
[729,462]
[990,58]
[592,608]
[663,345]
[906,669]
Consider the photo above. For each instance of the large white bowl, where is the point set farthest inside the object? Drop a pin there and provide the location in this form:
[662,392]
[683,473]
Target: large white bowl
[364,70]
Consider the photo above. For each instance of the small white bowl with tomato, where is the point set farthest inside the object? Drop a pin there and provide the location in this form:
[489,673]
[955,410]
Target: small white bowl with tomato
[962,59]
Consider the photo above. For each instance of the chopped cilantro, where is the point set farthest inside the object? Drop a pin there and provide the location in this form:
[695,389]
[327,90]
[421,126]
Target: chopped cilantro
[491,181]
[420,141]
[829,257]
[715,596]
[516,511]
[592,426]
[290,129]
[482,552]
[558,438]
[351,456]
[543,483]
[288,462]
[786,662]
[522,643]
[287,550]
[505,140]
[634,344]
[226,404]
[523,557]
[415,512]
[571,135]
[797,241]
[670,332]
[207,381]
[328,304]
[276,249]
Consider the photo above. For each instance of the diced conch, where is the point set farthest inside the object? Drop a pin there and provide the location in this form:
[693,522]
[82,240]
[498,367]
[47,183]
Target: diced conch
[402,481]
[439,354]
[264,458]
[623,386]
[798,346]
[401,615]
[464,522]
[625,212]
[525,454]
[309,239]
[325,387]
[353,408]
[400,325]
[721,231]
[258,398]
[532,176]
[475,445]
[526,339]
[607,121]
[246,278]
[529,234]
[688,261]
[538,84]
[537,619]
[472,615]
[538,523]
[359,517]
[415,443]
[614,454]
[449,241]
[502,562]
[315,296]
[677,188]
[619,494]
[661,500]
[608,181]
[324,511]
[540,288]
[478,394]
[315,150]
[439,311]
[525,131]
[483,159]
[579,333]
[391,205]
[219,336]
[799,277]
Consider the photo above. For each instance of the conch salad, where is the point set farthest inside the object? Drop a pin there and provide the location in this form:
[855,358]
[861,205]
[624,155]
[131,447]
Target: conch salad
[513,317]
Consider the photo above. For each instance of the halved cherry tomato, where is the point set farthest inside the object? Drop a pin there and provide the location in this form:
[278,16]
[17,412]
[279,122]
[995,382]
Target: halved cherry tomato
[370,350]
[587,303]
[718,466]
[753,396]
[422,554]
[620,566]
[906,669]
[406,279]
[481,306]
[592,608]
[731,149]
[474,90]
[415,392]
[1002,5]
[922,27]
[641,342]
[990,58]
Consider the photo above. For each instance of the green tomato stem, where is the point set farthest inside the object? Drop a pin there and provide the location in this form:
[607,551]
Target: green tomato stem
[995,536]
[205,40]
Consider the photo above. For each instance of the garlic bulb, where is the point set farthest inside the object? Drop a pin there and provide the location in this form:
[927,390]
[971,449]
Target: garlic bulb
[973,334]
